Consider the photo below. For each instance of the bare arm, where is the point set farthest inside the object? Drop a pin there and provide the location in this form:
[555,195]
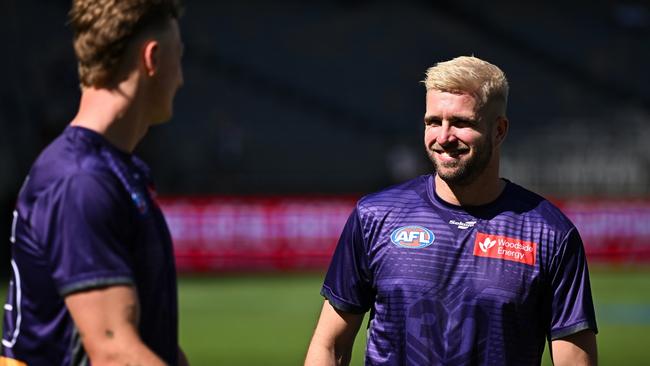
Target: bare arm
[576,349]
[333,338]
[107,321]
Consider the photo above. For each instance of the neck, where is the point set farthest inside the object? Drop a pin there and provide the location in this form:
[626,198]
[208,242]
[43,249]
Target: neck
[484,189]
[113,114]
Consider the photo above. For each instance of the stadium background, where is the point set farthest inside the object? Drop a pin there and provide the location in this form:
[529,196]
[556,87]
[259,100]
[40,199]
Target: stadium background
[290,111]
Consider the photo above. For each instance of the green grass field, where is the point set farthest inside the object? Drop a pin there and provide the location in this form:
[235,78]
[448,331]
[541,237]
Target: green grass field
[269,319]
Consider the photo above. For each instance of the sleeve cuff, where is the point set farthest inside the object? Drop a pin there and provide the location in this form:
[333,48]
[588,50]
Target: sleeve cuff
[89,284]
[341,304]
[578,327]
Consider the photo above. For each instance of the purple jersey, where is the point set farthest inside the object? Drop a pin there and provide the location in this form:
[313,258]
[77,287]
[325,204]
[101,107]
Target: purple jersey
[85,219]
[451,285]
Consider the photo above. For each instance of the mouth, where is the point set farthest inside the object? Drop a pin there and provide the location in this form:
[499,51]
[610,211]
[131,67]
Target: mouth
[451,154]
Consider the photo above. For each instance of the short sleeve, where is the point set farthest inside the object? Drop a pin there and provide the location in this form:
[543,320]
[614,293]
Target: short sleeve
[85,241]
[572,308]
[348,283]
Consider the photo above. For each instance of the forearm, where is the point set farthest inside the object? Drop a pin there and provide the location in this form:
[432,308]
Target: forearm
[121,350]
[122,354]
[323,354]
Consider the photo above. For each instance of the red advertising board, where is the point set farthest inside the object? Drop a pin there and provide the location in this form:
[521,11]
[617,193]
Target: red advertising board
[294,233]
[612,230]
[255,233]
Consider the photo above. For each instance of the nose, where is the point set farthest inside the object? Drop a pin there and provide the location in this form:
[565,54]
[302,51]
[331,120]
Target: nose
[446,135]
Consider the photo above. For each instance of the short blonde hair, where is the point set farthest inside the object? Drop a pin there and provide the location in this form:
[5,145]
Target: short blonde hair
[103,28]
[469,74]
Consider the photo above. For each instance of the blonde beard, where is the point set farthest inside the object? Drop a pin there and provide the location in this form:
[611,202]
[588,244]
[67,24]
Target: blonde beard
[467,171]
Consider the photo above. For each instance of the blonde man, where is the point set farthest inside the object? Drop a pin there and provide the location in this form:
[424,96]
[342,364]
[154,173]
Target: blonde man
[460,267]
[94,278]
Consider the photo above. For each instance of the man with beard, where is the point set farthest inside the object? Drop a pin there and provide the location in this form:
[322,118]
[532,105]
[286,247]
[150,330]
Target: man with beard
[461,267]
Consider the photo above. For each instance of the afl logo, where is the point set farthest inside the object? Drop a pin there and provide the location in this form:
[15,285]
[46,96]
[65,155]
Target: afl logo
[412,237]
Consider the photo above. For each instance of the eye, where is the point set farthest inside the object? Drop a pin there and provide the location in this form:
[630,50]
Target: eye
[464,122]
[432,121]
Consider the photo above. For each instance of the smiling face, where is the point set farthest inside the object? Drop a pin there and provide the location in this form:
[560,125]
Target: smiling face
[458,138]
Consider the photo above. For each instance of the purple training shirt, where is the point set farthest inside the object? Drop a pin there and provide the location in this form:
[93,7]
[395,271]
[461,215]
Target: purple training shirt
[85,219]
[451,285]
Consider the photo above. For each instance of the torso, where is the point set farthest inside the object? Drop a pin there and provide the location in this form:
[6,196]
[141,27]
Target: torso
[38,330]
[454,285]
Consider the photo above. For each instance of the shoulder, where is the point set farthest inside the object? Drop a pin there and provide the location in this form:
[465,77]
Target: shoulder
[397,197]
[77,203]
[67,159]
[72,172]
[83,196]
[534,207]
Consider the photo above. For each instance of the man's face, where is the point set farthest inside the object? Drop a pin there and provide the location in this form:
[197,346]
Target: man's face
[170,74]
[457,138]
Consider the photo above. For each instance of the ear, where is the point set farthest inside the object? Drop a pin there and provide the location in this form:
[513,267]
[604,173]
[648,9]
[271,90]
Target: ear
[151,57]
[501,130]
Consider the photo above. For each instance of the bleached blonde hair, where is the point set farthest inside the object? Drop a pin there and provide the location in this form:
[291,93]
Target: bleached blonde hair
[469,74]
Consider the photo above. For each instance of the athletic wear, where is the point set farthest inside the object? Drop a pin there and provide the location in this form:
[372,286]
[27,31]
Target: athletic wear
[451,285]
[84,219]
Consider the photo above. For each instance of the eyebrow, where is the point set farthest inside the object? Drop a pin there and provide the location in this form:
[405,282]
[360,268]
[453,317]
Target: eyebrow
[429,119]
[470,120]
[453,119]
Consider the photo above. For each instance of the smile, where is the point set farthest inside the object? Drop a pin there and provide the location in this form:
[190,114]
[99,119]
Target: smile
[454,154]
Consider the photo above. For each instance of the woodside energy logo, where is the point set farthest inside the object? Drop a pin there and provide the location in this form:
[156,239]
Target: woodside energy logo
[503,247]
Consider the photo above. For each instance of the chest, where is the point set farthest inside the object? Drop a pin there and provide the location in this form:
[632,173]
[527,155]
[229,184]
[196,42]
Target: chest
[497,262]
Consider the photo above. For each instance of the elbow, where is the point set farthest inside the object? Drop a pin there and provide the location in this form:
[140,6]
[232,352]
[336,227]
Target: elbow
[343,354]
[109,356]
[110,352]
